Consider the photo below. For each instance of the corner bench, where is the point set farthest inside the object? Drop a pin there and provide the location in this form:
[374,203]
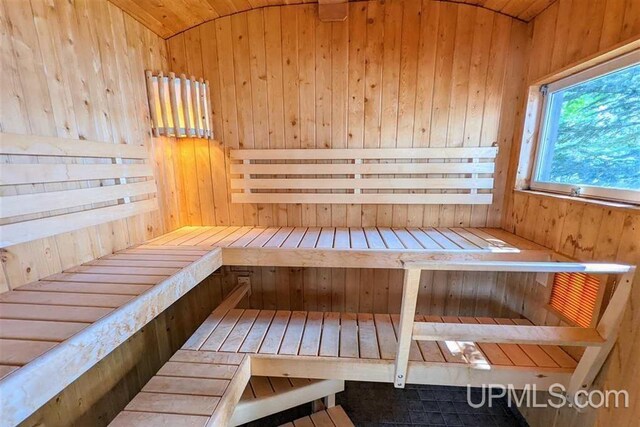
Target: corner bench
[407,348]
[54,330]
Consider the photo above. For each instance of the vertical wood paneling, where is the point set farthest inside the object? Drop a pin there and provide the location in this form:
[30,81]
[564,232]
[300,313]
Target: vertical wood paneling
[169,18]
[587,232]
[394,74]
[376,291]
[76,70]
[564,34]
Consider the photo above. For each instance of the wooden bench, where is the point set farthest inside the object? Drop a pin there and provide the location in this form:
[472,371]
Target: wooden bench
[405,348]
[334,416]
[353,247]
[375,176]
[54,330]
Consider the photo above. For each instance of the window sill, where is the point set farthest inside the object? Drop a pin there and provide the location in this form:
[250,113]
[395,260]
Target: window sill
[593,202]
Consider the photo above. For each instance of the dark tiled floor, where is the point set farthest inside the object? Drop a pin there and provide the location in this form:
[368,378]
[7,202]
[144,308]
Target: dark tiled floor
[382,405]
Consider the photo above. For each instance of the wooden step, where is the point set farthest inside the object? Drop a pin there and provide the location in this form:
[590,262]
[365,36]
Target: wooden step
[266,396]
[334,416]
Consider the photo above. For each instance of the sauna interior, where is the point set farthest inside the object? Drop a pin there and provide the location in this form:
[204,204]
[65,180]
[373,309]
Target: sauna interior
[319,213]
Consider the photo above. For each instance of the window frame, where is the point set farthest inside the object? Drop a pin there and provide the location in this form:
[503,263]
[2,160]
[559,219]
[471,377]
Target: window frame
[587,191]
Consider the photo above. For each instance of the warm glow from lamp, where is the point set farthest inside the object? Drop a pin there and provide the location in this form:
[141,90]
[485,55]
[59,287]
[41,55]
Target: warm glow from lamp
[178,100]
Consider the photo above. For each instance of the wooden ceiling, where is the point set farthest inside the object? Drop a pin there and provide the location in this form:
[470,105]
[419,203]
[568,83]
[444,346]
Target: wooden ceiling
[169,17]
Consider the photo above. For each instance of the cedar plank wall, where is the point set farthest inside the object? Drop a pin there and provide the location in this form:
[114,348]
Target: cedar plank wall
[566,33]
[380,291]
[76,70]
[395,74]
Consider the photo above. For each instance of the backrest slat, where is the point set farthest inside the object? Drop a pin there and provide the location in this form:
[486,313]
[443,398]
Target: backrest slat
[14,174]
[34,145]
[366,153]
[27,204]
[13,234]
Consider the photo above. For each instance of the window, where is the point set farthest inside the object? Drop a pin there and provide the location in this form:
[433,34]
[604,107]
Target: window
[590,133]
[575,296]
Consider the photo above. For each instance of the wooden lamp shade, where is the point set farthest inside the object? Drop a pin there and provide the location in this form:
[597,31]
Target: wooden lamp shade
[179,106]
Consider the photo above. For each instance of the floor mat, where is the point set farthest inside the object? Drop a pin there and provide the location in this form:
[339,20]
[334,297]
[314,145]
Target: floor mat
[383,405]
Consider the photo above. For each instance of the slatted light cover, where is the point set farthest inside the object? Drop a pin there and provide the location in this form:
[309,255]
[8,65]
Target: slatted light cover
[179,100]
[575,295]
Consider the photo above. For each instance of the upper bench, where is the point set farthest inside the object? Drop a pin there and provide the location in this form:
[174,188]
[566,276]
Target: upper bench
[353,247]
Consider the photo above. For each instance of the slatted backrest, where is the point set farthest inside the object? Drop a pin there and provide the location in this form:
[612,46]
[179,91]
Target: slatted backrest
[373,176]
[53,185]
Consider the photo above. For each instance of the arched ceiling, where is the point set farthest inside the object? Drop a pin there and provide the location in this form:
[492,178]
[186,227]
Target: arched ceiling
[169,17]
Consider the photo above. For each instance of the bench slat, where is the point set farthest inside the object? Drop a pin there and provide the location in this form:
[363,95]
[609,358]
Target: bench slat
[85,287]
[380,199]
[59,298]
[168,403]
[52,312]
[553,335]
[151,419]
[39,330]
[19,352]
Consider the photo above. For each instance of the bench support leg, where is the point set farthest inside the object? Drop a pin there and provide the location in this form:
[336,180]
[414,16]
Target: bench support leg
[609,325]
[330,401]
[410,289]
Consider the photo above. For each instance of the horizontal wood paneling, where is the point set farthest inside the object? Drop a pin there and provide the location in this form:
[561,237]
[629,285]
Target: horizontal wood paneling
[76,70]
[564,34]
[169,18]
[396,74]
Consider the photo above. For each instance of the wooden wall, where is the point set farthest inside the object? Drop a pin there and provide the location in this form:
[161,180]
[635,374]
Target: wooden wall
[380,291]
[564,34]
[395,74]
[76,70]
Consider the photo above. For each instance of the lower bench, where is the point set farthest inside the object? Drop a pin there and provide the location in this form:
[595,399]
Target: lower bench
[331,417]
[205,380]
